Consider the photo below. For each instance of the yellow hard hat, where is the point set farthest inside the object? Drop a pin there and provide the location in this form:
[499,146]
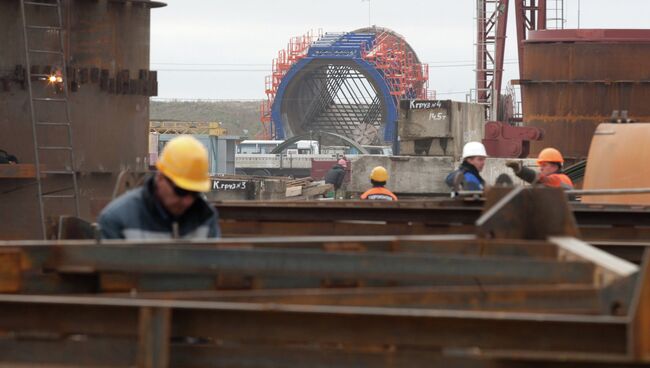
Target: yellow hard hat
[184,161]
[379,174]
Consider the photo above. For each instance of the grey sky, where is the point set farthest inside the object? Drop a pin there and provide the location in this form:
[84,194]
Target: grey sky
[236,40]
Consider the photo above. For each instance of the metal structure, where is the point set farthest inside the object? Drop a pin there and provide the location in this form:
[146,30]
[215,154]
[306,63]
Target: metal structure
[602,71]
[491,20]
[57,79]
[544,297]
[319,136]
[344,83]
[501,138]
[103,65]
[491,27]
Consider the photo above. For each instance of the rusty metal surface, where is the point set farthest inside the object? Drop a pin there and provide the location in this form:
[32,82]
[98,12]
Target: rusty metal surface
[504,140]
[175,266]
[111,36]
[612,151]
[525,214]
[517,302]
[429,212]
[590,35]
[570,83]
[351,328]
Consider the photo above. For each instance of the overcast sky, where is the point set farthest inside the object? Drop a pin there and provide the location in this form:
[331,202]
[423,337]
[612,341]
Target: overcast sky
[222,49]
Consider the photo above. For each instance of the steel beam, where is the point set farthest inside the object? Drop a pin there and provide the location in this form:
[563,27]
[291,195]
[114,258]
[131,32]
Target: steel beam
[578,299]
[559,335]
[196,260]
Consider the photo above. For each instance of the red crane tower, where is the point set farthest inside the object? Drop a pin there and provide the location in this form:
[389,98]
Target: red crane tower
[492,21]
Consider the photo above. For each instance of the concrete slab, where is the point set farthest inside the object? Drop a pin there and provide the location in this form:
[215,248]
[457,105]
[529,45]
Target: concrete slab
[422,174]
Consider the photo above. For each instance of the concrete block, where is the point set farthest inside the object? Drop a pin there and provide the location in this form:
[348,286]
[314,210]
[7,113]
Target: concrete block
[408,174]
[439,127]
[497,166]
[424,147]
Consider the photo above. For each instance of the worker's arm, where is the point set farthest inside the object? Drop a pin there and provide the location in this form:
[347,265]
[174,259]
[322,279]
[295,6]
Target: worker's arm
[471,182]
[524,173]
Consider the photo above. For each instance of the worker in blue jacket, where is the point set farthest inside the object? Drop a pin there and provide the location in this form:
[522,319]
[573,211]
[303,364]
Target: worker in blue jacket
[468,175]
[171,203]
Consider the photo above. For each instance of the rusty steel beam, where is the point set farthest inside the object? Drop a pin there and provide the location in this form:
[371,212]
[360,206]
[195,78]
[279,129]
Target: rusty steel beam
[568,335]
[108,352]
[429,212]
[181,259]
[575,299]
[85,278]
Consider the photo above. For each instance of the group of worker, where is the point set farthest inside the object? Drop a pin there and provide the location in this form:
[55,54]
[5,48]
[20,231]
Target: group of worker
[468,175]
[171,203]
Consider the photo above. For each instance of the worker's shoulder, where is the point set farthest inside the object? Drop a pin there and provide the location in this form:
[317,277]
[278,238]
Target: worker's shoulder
[128,204]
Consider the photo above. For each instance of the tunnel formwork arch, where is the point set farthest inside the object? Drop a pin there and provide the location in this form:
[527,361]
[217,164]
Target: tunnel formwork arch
[343,83]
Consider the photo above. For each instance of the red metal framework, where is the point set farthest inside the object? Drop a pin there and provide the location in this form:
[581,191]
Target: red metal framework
[404,74]
[492,19]
[296,50]
[502,139]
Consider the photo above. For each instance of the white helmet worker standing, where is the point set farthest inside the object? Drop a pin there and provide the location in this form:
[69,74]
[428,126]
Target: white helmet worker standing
[468,176]
[474,149]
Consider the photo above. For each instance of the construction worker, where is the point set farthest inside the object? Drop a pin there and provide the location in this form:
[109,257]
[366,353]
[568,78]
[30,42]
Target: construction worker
[467,176]
[378,179]
[336,175]
[170,203]
[550,163]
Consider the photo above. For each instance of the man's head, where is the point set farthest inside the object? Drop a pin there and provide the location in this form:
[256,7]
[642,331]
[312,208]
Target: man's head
[379,176]
[176,200]
[474,154]
[550,161]
[182,174]
[343,163]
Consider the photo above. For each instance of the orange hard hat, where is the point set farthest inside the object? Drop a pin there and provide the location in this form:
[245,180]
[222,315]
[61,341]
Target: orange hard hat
[550,155]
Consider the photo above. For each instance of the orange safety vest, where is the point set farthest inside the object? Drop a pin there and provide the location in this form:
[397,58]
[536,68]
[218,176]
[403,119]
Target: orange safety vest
[379,193]
[556,181]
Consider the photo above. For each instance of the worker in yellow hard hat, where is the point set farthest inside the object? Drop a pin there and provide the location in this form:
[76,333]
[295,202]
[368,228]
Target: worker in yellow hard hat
[550,162]
[170,204]
[378,178]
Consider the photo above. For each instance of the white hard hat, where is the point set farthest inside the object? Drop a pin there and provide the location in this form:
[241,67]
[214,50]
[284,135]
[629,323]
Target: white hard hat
[472,149]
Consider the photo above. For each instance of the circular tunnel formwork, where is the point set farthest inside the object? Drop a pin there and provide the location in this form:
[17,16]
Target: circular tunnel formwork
[343,83]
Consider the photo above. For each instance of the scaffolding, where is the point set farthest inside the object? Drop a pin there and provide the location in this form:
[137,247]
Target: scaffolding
[340,98]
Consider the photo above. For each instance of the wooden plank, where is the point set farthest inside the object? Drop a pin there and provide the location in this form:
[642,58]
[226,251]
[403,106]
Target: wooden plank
[608,268]
[293,191]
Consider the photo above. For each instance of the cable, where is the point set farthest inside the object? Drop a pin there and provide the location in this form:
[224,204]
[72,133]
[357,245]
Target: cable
[269,71]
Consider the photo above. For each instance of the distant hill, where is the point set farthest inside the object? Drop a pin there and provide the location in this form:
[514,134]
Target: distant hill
[236,116]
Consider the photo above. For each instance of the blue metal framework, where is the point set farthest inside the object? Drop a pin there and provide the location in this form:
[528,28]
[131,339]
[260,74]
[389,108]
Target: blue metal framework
[350,84]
